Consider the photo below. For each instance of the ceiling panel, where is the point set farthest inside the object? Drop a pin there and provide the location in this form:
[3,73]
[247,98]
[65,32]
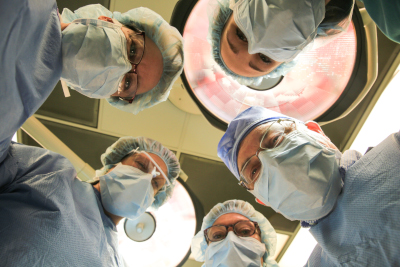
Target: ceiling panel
[201,138]
[163,122]
[86,144]
[77,108]
[164,8]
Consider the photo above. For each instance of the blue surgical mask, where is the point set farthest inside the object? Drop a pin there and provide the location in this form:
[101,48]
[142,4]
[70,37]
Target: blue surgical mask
[234,251]
[300,178]
[95,57]
[126,191]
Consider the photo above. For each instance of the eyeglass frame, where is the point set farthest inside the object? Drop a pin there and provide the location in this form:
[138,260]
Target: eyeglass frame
[142,33]
[256,227]
[242,182]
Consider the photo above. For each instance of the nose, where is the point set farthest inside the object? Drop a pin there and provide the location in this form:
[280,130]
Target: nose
[230,228]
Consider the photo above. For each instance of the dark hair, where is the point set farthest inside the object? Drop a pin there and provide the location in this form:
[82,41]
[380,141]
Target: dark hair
[336,12]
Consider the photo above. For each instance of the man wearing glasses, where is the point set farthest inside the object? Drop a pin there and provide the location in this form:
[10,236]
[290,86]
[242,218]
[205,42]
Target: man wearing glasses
[48,217]
[349,201]
[234,234]
[131,59]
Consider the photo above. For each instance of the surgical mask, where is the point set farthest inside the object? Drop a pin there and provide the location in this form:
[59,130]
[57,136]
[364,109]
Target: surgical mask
[235,251]
[127,191]
[95,57]
[300,178]
[278,29]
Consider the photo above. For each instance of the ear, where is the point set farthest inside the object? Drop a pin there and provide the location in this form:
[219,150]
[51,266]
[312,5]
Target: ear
[313,126]
[104,18]
[260,202]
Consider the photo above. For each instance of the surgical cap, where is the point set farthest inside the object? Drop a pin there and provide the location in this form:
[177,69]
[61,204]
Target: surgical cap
[166,37]
[238,129]
[117,151]
[218,14]
[268,234]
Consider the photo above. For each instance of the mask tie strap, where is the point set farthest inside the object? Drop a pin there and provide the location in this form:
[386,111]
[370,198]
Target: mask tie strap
[65,88]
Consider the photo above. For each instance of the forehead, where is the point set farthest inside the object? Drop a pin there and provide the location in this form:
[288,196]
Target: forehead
[229,218]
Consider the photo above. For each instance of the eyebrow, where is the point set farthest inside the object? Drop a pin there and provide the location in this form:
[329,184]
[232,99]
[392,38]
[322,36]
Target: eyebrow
[254,67]
[233,48]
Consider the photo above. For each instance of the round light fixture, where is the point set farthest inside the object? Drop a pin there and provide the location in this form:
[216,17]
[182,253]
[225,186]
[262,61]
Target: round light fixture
[141,228]
[161,237]
[324,83]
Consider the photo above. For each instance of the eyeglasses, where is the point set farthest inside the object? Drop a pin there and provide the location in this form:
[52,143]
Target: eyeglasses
[241,228]
[144,162]
[272,138]
[128,87]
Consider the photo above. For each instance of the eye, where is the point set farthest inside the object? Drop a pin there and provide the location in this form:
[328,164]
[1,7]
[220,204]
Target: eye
[155,183]
[132,50]
[254,172]
[141,166]
[264,58]
[276,140]
[245,232]
[217,235]
[127,83]
[240,35]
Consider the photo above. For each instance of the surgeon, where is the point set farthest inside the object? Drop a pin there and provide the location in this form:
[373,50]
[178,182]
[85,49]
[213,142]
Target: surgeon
[257,39]
[48,217]
[234,234]
[131,59]
[350,201]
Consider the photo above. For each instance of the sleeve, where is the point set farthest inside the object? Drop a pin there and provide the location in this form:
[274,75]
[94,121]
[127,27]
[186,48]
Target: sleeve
[22,163]
[318,258]
[31,62]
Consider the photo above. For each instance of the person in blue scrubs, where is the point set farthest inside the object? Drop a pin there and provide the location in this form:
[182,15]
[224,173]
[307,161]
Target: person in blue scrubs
[252,40]
[142,56]
[234,234]
[48,217]
[350,201]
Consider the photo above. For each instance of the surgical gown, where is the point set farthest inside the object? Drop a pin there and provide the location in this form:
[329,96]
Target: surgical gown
[364,227]
[50,218]
[30,61]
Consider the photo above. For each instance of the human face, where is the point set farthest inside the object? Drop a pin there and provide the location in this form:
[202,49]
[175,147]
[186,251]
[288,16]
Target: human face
[157,182]
[250,145]
[234,52]
[150,69]
[232,218]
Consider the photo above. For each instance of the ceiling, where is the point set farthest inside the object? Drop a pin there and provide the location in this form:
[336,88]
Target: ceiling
[89,126]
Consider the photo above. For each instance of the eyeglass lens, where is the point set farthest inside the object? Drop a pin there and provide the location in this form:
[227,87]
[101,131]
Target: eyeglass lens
[219,232]
[272,138]
[136,49]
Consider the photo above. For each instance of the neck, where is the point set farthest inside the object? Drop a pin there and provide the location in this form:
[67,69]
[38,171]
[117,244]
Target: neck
[116,219]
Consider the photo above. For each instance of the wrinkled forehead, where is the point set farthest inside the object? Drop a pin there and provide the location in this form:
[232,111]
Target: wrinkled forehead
[230,218]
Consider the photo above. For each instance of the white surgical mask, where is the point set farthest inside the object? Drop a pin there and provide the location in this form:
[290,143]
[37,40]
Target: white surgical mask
[300,178]
[234,251]
[94,57]
[126,191]
[278,29]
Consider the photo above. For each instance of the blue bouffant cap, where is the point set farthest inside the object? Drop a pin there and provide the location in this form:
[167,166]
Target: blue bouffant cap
[238,129]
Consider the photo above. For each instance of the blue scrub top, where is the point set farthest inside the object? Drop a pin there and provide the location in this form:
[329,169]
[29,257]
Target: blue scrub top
[50,218]
[30,61]
[364,227]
